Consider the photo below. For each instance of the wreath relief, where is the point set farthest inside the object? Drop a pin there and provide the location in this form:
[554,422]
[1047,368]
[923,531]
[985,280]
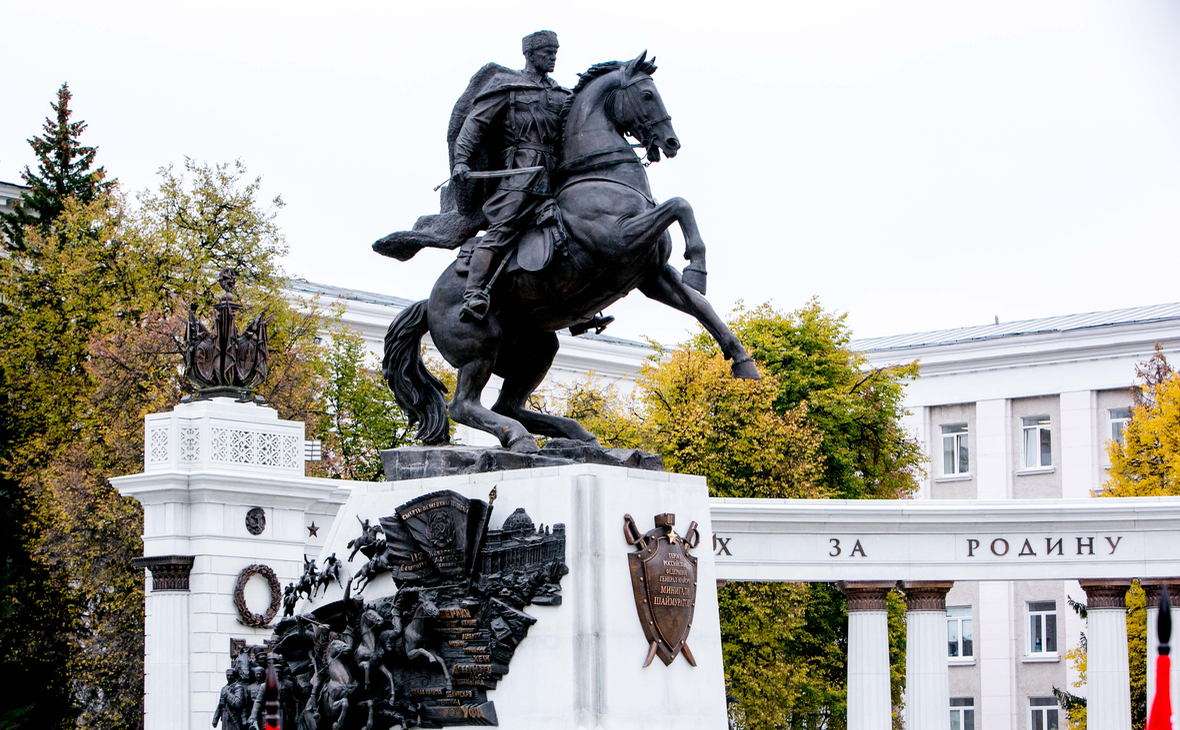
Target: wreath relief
[246,616]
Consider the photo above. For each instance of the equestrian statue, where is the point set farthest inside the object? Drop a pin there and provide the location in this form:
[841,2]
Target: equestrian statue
[570,227]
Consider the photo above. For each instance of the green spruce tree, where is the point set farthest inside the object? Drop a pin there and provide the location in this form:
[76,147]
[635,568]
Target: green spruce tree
[63,172]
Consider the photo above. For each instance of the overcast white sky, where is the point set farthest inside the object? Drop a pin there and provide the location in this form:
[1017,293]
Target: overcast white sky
[918,165]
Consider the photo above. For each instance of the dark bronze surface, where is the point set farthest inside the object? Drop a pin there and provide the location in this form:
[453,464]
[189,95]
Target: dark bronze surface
[664,580]
[426,656]
[256,520]
[245,615]
[561,243]
[169,572]
[218,360]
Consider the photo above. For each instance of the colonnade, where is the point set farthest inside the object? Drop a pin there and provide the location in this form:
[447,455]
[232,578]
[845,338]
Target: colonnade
[927,701]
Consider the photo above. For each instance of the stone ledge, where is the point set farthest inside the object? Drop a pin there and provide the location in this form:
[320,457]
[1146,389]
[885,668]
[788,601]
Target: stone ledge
[420,462]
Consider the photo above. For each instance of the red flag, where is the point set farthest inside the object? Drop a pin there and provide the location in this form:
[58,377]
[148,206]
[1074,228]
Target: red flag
[1161,707]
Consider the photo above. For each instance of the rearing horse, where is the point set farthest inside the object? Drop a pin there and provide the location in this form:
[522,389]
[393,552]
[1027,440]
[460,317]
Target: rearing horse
[617,242]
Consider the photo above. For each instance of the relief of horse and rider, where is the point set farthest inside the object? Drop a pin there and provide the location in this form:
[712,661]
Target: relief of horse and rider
[570,227]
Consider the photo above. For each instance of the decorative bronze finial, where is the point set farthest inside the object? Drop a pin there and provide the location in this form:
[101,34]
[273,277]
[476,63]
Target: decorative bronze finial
[219,361]
[1164,624]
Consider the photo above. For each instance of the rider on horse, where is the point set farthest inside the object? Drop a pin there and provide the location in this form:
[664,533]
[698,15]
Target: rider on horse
[524,110]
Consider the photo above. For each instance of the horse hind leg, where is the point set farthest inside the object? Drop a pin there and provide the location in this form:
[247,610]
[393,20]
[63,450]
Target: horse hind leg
[523,363]
[466,408]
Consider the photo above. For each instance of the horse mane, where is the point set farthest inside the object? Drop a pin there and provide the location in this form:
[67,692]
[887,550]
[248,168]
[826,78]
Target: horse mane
[602,69]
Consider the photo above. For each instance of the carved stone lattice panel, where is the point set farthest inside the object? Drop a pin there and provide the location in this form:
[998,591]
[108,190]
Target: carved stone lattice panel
[257,448]
[241,446]
[158,445]
[220,444]
[269,449]
[190,444]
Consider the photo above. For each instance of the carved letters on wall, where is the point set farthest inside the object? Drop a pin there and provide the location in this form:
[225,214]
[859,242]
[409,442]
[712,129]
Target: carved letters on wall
[427,655]
[664,579]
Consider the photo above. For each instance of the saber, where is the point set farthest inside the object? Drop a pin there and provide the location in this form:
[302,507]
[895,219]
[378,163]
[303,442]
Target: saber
[483,174]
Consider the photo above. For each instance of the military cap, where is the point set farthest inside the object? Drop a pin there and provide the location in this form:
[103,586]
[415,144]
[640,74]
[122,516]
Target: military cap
[540,39]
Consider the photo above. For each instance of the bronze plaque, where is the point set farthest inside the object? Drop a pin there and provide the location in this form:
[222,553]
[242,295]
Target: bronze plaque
[664,579]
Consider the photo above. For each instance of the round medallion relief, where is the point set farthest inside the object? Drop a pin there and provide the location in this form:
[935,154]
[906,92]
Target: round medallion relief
[256,520]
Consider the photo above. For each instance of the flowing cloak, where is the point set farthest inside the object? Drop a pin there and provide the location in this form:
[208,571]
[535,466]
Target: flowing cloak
[461,203]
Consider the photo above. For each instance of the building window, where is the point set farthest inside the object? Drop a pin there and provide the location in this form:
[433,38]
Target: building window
[954,449]
[1038,450]
[962,713]
[1118,422]
[1042,628]
[959,642]
[1043,711]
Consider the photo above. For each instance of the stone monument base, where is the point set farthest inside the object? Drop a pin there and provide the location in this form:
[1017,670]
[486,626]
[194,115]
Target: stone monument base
[581,664]
[418,462]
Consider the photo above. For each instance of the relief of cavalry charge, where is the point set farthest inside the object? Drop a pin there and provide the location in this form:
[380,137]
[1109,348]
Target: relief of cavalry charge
[425,656]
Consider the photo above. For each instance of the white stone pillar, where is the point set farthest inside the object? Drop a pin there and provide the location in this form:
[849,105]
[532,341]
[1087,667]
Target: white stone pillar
[166,642]
[927,693]
[1153,589]
[869,706]
[1108,676]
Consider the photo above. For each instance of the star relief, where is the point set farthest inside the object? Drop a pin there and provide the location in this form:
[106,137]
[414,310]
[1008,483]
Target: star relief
[312,530]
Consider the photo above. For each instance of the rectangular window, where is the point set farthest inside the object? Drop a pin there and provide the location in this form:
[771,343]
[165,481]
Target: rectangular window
[1038,449]
[1042,627]
[962,713]
[955,457]
[1043,713]
[1118,422]
[959,642]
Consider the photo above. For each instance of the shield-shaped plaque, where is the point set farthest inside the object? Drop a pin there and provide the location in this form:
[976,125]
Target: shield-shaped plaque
[664,579]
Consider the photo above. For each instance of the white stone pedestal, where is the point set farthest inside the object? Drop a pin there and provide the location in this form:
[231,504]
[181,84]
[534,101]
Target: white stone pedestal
[207,464]
[581,665]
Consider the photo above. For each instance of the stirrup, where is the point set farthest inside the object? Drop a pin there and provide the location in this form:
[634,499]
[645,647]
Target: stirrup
[475,307]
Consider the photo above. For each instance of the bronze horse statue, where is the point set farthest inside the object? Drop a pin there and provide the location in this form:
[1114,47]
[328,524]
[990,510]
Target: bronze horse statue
[617,241]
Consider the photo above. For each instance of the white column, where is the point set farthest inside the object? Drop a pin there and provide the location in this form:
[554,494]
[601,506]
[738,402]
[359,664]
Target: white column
[1079,444]
[1108,676]
[166,643]
[927,700]
[1152,588]
[869,706]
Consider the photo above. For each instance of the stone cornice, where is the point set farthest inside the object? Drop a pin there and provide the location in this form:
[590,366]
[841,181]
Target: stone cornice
[169,572]
[1105,593]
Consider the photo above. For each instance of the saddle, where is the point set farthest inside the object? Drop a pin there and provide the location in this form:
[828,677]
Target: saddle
[535,247]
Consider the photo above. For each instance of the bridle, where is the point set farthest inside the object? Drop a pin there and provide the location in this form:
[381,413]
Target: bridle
[622,104]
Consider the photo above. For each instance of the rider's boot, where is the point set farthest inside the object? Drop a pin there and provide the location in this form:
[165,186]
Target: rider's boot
[475,299]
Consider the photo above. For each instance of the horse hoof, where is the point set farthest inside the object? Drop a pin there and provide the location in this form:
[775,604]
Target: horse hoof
[524,445]
[745,369]
[694,279]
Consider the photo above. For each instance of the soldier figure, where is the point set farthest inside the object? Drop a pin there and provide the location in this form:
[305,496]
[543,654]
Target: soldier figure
[231,702]
[527,112]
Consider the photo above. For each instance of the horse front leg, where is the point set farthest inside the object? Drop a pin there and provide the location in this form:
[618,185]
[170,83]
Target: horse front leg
[654,222]
[666,287]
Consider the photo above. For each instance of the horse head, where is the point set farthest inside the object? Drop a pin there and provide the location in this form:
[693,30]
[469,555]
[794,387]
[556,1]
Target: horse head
[426,604]
[638,111]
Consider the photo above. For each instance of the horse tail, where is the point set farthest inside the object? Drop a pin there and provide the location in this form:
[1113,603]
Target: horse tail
[416,391]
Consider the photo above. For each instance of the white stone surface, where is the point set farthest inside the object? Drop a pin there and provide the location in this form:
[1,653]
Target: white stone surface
[927,693]
[1108,676]
[996,645]
[195,504]
[869,706]
[581,665]
[962,539]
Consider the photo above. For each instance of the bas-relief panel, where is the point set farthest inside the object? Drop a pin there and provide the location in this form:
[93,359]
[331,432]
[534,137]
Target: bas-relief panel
[964,678]
[1037,679]
[943,488]
[1036,485]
